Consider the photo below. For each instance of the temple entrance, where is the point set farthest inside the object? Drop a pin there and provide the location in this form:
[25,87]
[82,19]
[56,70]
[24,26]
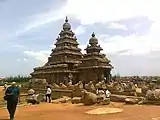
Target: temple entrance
[107,75]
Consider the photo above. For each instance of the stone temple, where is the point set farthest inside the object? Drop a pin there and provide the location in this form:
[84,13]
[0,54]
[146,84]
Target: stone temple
[67,63]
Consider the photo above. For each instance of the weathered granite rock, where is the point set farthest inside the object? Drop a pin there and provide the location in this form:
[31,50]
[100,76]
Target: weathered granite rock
[89,98]
[153,95]
[31,92]
[102,100]
[131,101]
[62,86]
[150,95]
[144,89]
[150,102]
[64,99]
[117,98]
[77,93]
[105,101]
[76,100]
[115,87]
[70,86]
[157,94]
[98,85]
[38,83]
[101,85]
[90,87]
[55,86]
[79,85]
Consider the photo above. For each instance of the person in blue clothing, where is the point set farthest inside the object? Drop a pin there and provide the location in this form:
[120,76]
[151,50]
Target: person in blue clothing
[12,93]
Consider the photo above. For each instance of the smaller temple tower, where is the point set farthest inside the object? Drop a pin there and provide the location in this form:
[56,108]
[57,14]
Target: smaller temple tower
[95,66]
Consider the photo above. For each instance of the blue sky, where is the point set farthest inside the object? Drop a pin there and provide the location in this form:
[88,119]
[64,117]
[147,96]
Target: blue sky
[128,31]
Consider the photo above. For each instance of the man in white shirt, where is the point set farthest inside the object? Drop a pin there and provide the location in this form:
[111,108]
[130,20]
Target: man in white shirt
[48,94]
[108,93]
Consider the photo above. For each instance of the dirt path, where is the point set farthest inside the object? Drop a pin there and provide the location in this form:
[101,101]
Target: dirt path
[77,112]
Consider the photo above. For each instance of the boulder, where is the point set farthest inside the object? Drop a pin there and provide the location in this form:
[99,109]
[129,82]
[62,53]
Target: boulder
[79,85]
[90,87]
[150,102]
[70,86]
[150,95]
[77,93]
[144,89]
[98,85]
[55,86]
[105,101]
[157,94]
[31,92]
[62,86]
[64,99]
[89,98]
[76,100]
[102,100]
[131,101]
[117,98]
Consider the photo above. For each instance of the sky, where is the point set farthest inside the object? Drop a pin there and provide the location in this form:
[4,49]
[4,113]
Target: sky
[127,30]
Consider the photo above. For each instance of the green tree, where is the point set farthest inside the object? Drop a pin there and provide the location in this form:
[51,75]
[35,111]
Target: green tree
[17,78]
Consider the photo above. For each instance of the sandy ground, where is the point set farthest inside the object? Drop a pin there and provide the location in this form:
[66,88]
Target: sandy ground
[51,111]
[1,94]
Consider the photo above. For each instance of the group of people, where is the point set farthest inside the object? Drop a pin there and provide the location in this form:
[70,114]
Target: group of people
[12,96]
[101,91]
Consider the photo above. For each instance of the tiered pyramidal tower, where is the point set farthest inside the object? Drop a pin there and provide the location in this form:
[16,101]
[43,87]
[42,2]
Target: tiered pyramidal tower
[95,66]
[66,61]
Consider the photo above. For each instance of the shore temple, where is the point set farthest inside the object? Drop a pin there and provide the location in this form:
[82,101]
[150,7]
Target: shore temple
[66,62]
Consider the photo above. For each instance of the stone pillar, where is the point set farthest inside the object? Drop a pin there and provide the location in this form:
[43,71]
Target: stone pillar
[110,78]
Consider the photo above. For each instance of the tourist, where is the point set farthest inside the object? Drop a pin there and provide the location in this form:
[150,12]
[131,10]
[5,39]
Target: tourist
[100,91]
[108,93]
[48,93]
[11,96]
[32,97]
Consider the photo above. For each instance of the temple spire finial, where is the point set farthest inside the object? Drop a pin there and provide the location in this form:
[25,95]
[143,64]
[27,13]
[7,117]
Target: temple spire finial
[66,20]
[93,34]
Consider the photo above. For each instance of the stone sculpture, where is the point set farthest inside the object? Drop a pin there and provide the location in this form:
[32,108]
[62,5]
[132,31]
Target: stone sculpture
[89,98]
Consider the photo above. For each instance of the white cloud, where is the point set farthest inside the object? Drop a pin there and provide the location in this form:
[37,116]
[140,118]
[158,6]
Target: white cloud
[115,25]
[44,54]
[79,30]
[104,11]
[92,11]
[133,44]
[41,55]
[82,48]
[41,19]
[24,59]
[111,10]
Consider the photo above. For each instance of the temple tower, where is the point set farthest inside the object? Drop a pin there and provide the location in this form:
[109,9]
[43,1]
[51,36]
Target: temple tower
[64,59]
[95,66]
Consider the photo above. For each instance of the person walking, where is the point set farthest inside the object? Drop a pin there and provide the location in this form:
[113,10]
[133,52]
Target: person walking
[12,94]
[48,93]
